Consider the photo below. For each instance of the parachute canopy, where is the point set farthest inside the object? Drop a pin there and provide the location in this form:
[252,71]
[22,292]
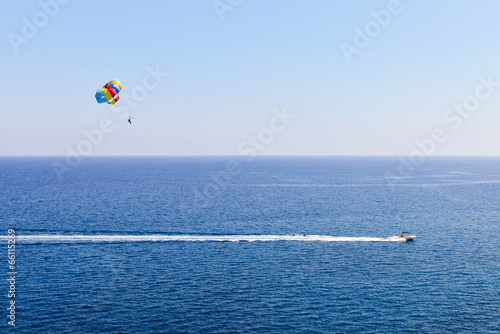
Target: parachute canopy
[109,92]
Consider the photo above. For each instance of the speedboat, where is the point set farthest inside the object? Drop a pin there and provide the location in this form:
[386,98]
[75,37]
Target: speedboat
[404,236]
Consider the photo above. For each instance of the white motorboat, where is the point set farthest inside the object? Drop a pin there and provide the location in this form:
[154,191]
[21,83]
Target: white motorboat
[404,236]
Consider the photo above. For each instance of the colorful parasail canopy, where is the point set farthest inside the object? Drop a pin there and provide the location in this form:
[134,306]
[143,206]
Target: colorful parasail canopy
[109,92]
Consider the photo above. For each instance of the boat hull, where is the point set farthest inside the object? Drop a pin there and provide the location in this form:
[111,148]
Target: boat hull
[403,238]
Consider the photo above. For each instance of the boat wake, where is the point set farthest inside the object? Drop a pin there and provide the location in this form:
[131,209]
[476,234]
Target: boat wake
[48,238]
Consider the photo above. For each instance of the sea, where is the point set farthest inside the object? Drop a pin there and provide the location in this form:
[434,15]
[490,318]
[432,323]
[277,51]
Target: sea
[249,245]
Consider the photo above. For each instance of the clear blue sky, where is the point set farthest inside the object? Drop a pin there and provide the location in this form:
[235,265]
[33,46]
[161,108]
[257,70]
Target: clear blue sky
[227,76]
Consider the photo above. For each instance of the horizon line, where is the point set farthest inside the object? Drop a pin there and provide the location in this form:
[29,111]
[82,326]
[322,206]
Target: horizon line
[242,156]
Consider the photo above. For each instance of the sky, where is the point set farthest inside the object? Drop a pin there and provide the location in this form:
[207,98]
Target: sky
[240,77]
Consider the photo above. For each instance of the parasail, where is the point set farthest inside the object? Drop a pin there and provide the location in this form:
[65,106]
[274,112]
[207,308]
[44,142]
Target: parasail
[109,92]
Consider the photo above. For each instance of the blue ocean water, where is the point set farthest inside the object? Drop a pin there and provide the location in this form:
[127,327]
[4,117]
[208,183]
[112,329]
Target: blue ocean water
[272,245]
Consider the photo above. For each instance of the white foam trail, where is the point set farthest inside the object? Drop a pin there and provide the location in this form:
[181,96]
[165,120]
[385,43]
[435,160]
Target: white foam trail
[46,238]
